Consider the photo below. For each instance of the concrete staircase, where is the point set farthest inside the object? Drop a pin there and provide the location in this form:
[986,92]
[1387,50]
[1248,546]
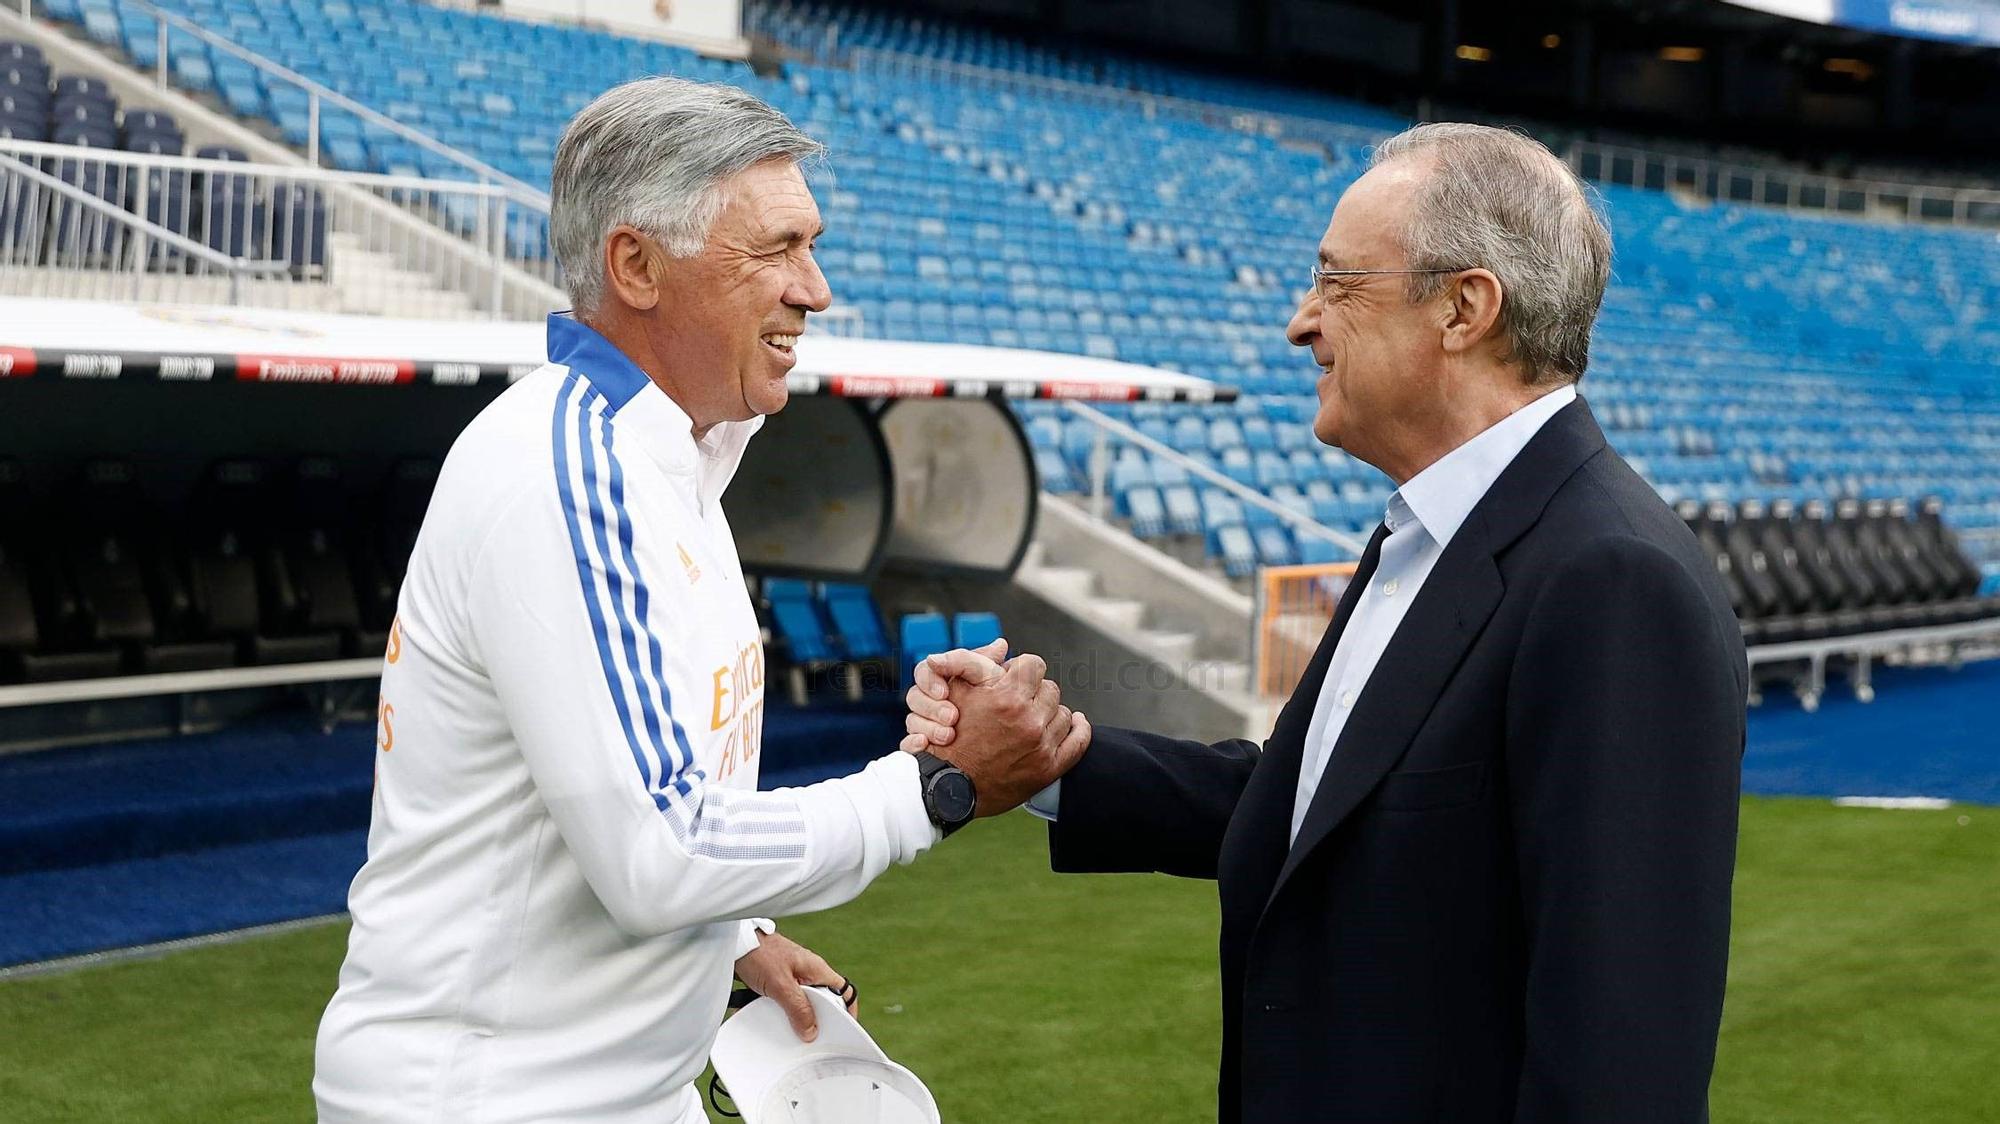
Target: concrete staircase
[370,283]
[357,281]
[1135,637]
[1076,588]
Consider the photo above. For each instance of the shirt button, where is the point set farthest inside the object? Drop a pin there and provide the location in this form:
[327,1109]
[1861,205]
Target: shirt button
[1346,699]
[1389,587]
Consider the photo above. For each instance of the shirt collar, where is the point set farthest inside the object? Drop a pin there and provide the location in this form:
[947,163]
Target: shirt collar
[645,411]
[1443,495]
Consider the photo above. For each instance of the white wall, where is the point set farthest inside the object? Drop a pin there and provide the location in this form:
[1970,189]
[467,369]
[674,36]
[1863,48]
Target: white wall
[716,24]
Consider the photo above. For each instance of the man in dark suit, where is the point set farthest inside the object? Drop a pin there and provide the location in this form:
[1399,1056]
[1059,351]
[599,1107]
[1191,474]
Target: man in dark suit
[1480,871]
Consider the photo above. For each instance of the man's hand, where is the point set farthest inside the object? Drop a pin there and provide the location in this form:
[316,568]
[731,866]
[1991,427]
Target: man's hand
[1005,725]
[781,969]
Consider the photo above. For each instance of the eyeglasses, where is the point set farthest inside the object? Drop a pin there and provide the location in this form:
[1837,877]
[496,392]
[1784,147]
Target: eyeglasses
[1319,276]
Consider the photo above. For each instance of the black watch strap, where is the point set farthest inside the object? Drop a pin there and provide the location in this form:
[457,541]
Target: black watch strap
[949,797]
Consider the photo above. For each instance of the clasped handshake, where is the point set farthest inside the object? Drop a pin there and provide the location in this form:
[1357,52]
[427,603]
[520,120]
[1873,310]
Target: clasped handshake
[1000,720]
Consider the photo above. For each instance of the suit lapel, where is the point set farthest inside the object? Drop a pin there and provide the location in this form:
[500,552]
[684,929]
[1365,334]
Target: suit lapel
[1453,607]
[1264,814]
[1288,734]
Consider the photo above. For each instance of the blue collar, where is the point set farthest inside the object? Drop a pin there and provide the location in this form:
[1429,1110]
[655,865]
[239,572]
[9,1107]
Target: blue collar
[578,346]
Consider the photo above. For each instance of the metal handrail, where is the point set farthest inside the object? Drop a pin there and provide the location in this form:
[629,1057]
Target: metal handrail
[234,266]
[1760,177]
[150,160]
[519,190]
[375,204]
[1100,467]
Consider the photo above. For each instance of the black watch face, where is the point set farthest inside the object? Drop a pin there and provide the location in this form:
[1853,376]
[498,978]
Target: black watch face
[951,796]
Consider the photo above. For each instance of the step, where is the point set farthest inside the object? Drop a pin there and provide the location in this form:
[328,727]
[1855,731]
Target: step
[1226,677]
[1072,583]
[1175,648]
[1124,616]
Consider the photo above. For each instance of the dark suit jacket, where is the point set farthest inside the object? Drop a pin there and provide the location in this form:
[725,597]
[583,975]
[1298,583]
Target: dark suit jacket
[1509,900]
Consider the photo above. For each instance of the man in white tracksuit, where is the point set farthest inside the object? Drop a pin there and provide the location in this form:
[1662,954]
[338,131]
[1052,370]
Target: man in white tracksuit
[568,853]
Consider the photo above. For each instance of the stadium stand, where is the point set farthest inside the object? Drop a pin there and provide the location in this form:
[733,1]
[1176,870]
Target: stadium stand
[1816,395]
[986,190]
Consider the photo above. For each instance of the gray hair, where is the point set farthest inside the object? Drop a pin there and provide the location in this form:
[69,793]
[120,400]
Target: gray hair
[1499,200]
[653,154]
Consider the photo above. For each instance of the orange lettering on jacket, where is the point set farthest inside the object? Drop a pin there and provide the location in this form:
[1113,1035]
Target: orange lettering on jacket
[737,707]
[735,685]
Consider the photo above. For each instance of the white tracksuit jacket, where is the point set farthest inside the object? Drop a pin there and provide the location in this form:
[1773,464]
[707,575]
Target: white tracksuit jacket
[567,839]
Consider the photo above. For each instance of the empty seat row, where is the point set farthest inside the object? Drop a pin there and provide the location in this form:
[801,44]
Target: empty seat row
[74,109]
[819,623]
[1821,570]
[261,567]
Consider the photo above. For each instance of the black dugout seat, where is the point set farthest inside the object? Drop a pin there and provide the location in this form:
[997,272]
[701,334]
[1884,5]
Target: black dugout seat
[387,533]
[246,593]
[313,555]
[1849,568]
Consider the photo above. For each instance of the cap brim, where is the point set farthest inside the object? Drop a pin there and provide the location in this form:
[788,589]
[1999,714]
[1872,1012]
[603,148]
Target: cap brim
[756,1048]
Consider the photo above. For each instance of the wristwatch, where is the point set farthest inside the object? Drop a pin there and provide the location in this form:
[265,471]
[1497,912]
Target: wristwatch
[948,795]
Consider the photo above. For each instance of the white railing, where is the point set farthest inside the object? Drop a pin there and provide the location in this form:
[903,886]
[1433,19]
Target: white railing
[525,200]
[413,246]
[1100,467]
[66,228]
[1774,186]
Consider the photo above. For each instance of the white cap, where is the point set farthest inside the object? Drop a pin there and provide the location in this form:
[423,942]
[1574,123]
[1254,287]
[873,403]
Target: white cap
[842,1077]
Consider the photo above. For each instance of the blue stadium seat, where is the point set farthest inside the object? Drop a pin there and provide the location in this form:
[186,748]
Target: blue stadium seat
[15,52]
[77,85]
[974,630]
[84,111]
[166,204]
[84,134]
[1239,554]
[1274,546]
[856,622]
[298,226]
[156,143]
[25,100]
[1144,507]
[1182,510]
[25,85]
[921,635]
[1314,550]
[795,618]
[1054,472]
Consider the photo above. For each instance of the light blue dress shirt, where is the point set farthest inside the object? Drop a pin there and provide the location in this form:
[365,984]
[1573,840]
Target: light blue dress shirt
[1422,517]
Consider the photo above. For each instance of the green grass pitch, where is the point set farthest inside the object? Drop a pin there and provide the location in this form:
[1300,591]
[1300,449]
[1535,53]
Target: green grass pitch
[1865,987]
